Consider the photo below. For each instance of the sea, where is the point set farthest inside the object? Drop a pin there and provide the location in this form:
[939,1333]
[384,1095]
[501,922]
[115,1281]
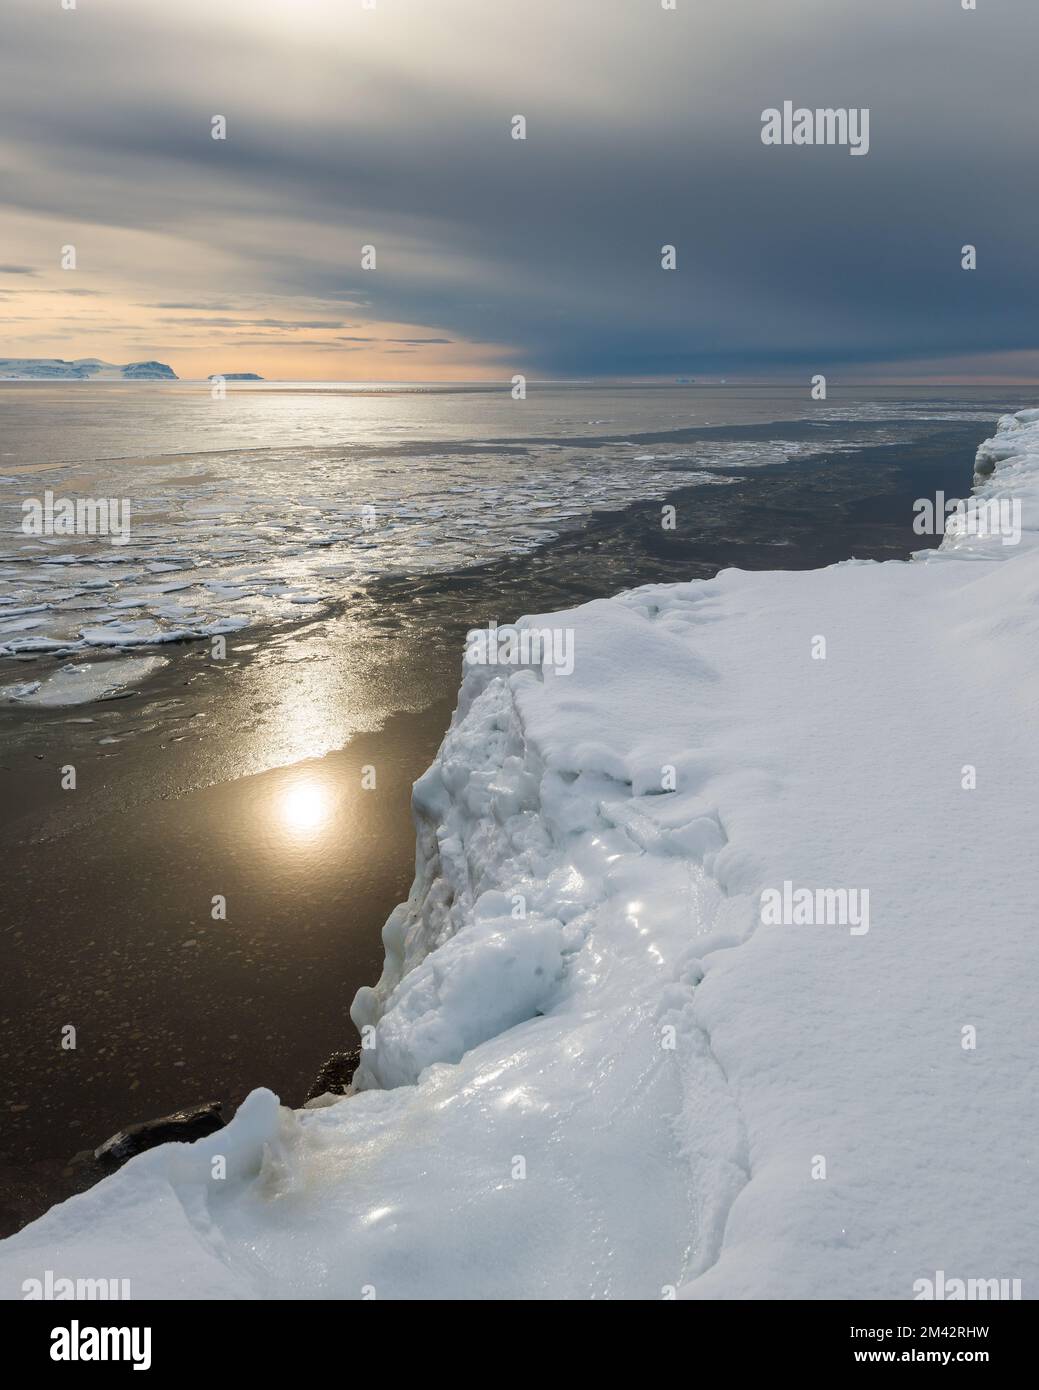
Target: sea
[269,503]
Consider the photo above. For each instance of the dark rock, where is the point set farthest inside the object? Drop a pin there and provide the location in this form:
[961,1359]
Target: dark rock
[181,1127]
[335,1076]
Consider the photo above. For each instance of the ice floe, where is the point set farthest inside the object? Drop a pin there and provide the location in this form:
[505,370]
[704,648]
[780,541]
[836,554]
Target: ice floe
[80,683]
[232,532]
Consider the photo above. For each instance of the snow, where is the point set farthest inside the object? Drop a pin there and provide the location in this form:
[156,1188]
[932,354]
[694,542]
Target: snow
[596,1071]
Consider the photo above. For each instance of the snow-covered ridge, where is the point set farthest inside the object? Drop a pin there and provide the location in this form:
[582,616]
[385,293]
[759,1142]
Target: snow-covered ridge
[1013,447]
[596,1072]
[1005,473]
[497,797]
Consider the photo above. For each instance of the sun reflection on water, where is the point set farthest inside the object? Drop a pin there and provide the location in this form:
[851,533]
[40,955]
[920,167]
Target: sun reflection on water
[305,807]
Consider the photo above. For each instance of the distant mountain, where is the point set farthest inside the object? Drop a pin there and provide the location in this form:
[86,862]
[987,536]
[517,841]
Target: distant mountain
[82,369]
[235,376]
[146,371]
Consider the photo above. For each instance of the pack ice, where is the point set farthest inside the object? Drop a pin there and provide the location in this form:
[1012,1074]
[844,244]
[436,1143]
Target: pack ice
[594,1070]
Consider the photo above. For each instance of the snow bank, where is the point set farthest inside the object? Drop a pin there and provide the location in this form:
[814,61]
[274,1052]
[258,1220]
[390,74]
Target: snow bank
[593,1069]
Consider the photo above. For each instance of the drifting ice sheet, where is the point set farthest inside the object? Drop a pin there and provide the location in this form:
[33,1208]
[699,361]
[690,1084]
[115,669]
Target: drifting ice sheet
[80,684]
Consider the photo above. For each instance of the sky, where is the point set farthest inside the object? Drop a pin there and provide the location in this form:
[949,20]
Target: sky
[391,126]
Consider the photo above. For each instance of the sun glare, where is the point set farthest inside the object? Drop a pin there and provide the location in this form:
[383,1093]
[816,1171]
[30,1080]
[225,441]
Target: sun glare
[305,807]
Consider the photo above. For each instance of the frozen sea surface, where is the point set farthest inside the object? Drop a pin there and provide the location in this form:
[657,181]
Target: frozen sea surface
[245,510]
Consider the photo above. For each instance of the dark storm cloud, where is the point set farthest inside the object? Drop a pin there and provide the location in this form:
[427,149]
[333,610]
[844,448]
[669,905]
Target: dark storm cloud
[644,130]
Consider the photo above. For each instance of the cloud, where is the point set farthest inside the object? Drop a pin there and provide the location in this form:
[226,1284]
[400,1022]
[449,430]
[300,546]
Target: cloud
[347,129]
[412,341]
[286,325]
[18,270]
[320,343]
[175,304]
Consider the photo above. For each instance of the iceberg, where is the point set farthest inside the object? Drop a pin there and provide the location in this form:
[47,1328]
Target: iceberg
[595,1066]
